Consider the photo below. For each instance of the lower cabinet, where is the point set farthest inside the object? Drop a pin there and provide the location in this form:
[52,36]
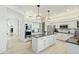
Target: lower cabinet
[51,39]
[42,43]
[62,36]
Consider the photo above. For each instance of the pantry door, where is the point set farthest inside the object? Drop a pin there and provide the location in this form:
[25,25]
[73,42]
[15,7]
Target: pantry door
[3,35]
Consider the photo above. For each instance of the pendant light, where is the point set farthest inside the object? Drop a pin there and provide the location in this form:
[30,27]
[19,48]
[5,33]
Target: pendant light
[38,17]
[48,15]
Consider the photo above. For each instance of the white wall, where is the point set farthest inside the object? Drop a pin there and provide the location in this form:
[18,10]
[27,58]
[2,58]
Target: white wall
[3,13]
[16,16]
[3,29]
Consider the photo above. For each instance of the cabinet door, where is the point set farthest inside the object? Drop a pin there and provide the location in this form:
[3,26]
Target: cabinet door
[45,42]
[34,44]
[72,48]
[40,44]
[49,40]
[53,39]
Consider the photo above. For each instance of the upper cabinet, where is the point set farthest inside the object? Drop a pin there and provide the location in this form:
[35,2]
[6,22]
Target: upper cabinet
[63,26]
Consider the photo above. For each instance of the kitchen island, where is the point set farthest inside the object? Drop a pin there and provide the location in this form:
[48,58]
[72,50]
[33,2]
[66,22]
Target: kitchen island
[41,42]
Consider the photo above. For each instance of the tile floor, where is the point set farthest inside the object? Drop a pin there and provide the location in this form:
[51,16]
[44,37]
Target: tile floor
[20,47]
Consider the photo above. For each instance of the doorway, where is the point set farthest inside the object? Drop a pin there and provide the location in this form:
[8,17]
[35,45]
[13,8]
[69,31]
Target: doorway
[13,29]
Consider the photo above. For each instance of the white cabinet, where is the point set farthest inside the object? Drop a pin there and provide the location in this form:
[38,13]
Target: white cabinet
[42,43]
[45,42]
[38,44]
[50,40]
[72,48]
[62,36]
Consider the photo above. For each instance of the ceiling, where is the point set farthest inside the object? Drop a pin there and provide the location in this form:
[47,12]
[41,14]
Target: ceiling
[54,9]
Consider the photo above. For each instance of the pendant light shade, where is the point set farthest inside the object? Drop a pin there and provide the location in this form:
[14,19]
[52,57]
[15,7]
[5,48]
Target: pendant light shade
[38,17]
[48,14]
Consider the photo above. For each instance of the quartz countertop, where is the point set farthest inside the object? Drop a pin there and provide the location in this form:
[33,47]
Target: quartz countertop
[40,35]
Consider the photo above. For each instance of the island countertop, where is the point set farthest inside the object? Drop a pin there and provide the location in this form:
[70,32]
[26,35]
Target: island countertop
[39,35]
